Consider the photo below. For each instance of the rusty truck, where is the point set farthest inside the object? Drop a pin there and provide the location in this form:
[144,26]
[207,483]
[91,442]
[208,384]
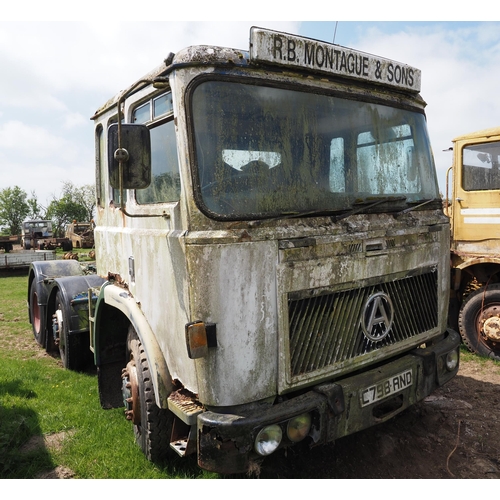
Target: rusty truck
[474,210]
[272,255]
[38,234]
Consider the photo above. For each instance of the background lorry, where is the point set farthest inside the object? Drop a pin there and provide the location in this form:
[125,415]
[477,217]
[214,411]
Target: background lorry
[474,210]
[272,256]
[38,235]
[7,243]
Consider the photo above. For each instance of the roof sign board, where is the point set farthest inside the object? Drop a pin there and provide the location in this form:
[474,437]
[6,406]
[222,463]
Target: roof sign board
[297,52]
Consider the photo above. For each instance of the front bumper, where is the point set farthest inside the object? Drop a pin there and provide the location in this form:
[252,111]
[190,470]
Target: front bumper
[226,441]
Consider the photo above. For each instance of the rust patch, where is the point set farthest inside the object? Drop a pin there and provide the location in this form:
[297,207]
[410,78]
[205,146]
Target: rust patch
[185,398]
[116,279]
[244,236]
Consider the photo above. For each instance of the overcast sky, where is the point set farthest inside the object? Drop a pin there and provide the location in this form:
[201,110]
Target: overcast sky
[54,75]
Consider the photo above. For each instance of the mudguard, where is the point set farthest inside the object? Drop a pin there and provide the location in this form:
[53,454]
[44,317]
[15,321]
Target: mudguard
[119,298]
[41,275]
[74,291]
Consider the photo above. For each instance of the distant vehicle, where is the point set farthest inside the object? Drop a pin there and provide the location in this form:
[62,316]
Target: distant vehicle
[38,235]
[8,242]
[81,234]
[474,211]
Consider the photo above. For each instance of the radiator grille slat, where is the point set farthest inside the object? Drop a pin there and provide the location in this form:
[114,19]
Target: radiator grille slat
[325,329]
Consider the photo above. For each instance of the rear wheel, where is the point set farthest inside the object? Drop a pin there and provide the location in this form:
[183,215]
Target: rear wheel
[479,322]
[152,425]
[36,320]
[74,353]
[67,246]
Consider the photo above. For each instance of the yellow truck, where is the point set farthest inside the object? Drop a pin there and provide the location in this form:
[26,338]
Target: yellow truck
[474,211]
[81,234]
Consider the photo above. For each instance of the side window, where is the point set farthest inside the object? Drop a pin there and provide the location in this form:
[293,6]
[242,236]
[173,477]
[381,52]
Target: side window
[165,177]
[481,163]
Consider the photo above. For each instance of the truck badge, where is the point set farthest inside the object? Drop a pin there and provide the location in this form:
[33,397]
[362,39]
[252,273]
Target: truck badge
[377,316]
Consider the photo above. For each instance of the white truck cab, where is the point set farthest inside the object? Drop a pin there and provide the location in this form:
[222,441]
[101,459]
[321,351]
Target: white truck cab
[273,252]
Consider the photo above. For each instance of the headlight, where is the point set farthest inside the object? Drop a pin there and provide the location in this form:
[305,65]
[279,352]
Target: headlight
[268,439]
[298,427]
[451,360]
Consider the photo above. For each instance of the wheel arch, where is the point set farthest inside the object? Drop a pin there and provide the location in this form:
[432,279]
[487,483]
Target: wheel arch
[116,309]
[481,268]
[74,291]
[41,275]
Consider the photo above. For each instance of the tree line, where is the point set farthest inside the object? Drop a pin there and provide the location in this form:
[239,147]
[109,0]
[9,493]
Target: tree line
[75,203]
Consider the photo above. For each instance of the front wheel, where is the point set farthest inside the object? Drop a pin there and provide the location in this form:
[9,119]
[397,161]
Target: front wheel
[479,322]
[152,425]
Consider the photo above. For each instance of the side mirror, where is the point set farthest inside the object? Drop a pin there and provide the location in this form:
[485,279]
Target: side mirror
[136,159]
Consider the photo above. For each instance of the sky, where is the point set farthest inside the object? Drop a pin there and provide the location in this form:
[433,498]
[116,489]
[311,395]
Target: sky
[58,65]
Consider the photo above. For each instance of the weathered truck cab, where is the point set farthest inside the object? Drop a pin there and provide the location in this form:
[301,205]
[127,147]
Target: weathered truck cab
[275,253]
[475,241]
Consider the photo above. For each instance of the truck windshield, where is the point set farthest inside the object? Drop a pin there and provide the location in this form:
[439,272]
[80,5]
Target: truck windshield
[265,152]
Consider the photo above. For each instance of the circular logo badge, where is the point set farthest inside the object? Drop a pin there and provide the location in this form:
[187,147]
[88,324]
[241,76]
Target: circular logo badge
[377,316]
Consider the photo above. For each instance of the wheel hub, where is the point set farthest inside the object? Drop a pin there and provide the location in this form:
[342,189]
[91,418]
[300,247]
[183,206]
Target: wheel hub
[490,323]
[130,391]
[57,326]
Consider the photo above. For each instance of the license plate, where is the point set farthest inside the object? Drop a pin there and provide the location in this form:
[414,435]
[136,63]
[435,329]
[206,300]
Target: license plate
[386,388]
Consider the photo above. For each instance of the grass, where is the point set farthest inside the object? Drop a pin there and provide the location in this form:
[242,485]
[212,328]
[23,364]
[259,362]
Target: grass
[83,254]
[486,364]
[51,418]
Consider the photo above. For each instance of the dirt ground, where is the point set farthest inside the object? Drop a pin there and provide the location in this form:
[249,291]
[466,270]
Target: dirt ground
[454,433]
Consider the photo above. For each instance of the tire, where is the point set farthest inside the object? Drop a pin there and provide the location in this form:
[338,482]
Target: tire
[152,425]
[73,352]
[67,246]
[479,322]
[39,331]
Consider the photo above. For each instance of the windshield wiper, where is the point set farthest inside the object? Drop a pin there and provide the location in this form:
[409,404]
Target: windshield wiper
[295,215]
[344,212]
[364,206]
[415,207]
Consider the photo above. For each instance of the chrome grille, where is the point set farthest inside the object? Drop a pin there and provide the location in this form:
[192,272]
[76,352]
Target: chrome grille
[325,329]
